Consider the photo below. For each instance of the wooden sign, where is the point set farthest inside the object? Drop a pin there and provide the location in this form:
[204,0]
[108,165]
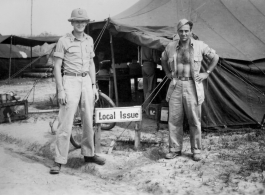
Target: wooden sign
[118,114]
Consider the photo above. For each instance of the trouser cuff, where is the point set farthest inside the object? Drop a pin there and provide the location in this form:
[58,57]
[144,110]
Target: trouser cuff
[195,151]
[175,149]
[60,161]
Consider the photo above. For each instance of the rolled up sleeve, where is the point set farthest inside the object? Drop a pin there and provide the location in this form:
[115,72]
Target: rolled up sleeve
[164,56]
[207,51]
[59,51]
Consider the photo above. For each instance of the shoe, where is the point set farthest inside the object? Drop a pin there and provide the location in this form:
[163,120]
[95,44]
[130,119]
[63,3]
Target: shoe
[172,155]
[197,157]
[55,169]
[95,159]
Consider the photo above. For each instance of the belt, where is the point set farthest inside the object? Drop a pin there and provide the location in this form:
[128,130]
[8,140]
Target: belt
[147,61]
[76,74]
[184,78]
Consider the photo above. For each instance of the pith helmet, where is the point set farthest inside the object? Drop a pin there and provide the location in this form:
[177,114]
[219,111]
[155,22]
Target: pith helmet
[78,14]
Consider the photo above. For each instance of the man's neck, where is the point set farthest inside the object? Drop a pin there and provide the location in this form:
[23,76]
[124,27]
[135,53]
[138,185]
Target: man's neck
[184,43]
[78,35]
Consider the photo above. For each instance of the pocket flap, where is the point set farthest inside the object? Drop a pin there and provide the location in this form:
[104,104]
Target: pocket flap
[74,50]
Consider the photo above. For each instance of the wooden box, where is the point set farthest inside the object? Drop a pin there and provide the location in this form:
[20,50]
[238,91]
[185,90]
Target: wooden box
[13,111]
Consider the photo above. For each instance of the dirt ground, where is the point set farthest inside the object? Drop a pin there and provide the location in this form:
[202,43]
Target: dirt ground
[233,162]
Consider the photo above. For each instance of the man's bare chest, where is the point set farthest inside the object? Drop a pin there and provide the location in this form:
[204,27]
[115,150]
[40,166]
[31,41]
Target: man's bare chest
[183,56]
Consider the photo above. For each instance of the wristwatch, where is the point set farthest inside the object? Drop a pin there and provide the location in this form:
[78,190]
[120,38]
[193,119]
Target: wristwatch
[208,71]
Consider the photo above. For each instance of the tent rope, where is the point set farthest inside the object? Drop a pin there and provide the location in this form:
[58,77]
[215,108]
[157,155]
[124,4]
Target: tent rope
[100,36]
[37,80]
[154,91]
[101,32]
[22,69]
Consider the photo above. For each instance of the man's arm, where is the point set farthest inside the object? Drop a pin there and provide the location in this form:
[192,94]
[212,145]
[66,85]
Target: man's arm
[92,74]
[165,66]
[59,81]
[166,69]
[213,63]
[200,77]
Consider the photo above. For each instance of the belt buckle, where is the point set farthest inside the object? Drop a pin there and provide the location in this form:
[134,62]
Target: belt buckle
[83,74]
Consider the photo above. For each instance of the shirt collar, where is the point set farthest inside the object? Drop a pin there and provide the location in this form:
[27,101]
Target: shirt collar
[72,37]
[191,43]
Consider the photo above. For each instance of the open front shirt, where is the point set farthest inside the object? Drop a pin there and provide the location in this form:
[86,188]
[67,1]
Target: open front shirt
[77,54]
[198,50]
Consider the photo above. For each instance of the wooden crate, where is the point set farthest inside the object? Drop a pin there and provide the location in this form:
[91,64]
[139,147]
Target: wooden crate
[13,111]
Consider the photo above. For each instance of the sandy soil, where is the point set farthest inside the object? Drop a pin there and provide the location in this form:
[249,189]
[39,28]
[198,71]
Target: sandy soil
[233,162]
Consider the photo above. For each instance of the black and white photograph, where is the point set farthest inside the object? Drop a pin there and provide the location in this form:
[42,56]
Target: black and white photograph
[132,97]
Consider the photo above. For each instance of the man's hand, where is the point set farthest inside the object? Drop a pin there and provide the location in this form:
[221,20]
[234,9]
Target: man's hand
[169,75]
[201,76]
[95,92]
[62,97]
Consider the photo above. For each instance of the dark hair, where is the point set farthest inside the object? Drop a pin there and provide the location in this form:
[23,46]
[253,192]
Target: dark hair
[190,24]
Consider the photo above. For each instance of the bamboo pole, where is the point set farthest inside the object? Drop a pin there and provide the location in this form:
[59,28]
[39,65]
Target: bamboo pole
[114,71]
[31,57]
[10,56]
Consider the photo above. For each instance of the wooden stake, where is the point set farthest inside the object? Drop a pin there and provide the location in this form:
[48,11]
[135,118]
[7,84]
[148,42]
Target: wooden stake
[137,137]
[112,144]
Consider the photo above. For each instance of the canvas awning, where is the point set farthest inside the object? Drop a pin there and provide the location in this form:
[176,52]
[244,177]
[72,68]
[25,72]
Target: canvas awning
[17,52]
[31,41]
[235,29]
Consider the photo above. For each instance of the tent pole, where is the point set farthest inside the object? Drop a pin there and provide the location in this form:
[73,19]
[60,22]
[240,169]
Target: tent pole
[114,70]
[31,57]
[9,72]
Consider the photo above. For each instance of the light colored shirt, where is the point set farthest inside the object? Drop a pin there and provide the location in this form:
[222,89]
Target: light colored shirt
[77,54]
[149,54]
[198,51]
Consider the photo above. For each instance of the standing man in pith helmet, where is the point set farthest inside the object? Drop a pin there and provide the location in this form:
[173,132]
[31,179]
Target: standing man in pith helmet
[181,62]
[75,52]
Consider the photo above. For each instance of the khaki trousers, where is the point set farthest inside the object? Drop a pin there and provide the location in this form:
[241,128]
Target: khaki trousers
[183,100]
[149,81]
[78,92]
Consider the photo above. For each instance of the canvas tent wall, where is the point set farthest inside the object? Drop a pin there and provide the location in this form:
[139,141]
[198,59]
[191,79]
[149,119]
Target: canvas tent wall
[20,58]
[17,64]
[235,29]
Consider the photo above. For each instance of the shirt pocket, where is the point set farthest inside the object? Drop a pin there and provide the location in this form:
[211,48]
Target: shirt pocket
[89,51]
[74,50]
[197,58]
[197,63]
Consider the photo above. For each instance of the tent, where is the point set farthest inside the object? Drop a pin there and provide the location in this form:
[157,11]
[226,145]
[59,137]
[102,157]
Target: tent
[30,41]
[20,64]
[235,29]
[16,52]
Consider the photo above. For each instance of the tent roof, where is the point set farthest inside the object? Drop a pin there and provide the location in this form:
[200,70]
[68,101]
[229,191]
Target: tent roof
[31,41]
[235,29]
[17,52]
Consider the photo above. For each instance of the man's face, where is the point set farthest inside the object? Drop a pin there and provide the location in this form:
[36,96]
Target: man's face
[79,25]
[184,32]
